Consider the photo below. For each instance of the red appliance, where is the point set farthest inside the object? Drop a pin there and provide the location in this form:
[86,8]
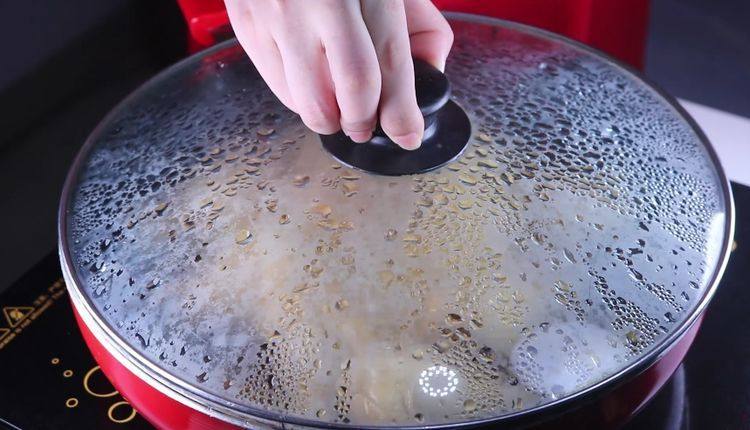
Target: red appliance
[617,27]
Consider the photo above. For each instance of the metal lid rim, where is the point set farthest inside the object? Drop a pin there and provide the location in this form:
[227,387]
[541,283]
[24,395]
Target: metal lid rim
[211,405]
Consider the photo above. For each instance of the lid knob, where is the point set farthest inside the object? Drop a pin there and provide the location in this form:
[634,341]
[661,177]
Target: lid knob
[447,131]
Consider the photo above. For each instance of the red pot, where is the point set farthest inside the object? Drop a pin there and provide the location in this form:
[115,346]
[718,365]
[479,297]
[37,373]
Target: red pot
[611,410]
[133,186]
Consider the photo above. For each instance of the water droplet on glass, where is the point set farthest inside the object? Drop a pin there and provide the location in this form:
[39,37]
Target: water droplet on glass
[301,180]
[467,178]
[487,163]
[243,237]
[160,208]
[413,238]
[466,203]
[342,304]
[350,188]
[321,209]
[390,234]
[453,319]
[569,255]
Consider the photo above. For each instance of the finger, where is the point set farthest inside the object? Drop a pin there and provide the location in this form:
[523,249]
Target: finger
[308,77]
[430,35]
[354,67]
[261,49]
[400,117]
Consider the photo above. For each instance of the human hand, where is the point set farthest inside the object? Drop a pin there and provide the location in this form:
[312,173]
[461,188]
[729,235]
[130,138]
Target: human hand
[345,64]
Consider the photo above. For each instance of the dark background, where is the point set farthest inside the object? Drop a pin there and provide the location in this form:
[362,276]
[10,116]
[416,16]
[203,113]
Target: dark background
[65,63]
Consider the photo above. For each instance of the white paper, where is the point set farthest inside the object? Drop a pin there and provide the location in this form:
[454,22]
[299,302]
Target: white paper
[730,136]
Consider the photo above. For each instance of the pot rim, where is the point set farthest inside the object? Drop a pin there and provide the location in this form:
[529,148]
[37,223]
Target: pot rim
[212,405]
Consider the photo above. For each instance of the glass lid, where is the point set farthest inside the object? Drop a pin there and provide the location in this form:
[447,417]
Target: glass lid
[217,245]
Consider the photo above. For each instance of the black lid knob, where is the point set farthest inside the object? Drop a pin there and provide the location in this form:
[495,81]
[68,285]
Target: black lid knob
[447,131]
[432,86]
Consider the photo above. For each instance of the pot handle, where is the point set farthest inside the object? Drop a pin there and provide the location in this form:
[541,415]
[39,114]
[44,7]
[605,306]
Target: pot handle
[447,132]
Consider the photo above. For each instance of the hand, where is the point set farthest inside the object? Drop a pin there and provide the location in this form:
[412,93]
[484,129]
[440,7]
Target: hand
[344,64]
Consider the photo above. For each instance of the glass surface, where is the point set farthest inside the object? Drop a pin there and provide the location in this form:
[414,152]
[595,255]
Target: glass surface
[218,239]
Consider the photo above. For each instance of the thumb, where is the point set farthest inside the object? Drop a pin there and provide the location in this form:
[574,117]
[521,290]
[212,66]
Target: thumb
[430,35]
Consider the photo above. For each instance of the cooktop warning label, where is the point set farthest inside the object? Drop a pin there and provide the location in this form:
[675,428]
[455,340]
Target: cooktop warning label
[50,381]
[16,318]
[15,314]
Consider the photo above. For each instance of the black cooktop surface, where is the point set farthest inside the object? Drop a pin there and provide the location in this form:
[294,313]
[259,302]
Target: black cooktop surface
[711,389]
[50,381]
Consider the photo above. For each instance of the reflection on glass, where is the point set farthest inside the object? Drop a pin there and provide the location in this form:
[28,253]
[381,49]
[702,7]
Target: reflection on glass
[438,381]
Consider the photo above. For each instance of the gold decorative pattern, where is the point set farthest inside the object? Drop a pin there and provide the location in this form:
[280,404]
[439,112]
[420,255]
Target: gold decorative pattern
[111,412]
[89,390]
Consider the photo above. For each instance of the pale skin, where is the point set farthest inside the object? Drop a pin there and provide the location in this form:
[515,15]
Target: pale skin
[345,64]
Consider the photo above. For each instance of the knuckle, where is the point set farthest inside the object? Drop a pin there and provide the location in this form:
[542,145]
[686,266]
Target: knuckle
[283,25]
[391,6]
[392,55]
[281,5]
[360,80]
[331,4]
[446,32]
[443,37]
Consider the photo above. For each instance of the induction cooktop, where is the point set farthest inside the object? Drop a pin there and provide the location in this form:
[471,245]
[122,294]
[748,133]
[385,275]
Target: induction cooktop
[51,381]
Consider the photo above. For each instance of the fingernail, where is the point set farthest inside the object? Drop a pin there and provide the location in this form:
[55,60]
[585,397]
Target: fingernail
[359,136]
[408,141]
